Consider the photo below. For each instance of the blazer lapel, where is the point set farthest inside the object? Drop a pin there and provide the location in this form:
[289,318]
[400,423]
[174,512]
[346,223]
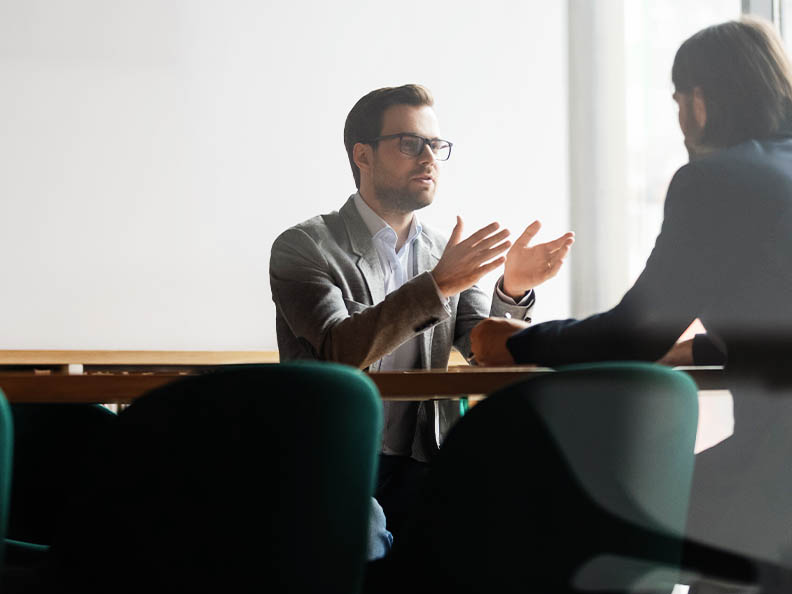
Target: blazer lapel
[426,259]
[363,247]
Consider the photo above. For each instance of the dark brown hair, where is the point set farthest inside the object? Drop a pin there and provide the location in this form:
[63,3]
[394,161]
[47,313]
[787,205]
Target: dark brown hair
[744,76]
[364,121]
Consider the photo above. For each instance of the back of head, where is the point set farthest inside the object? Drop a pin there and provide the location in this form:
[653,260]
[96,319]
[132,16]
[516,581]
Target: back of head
[744,76]
[364,121]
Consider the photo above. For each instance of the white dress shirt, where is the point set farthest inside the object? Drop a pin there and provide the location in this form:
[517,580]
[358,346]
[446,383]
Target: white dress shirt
[398,267]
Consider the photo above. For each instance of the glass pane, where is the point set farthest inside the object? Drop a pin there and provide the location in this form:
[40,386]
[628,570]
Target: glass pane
[655,150]
[786,22]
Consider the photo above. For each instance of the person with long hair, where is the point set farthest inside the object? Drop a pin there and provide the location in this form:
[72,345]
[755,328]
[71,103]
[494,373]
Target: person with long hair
[723,255]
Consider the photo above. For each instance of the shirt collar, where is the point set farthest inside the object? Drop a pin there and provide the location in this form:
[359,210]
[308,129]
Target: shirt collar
[379,228]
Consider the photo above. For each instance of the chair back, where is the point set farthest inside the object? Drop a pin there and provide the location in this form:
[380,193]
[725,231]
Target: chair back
[6,458]
[253,478]
[554,483]
[56,447]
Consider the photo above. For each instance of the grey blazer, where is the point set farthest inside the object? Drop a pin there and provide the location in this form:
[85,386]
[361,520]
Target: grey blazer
[330,304]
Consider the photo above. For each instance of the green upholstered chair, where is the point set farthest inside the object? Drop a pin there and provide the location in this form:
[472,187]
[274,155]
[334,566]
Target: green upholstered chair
[56,447]
[13,580]
[6,457]
[252,478]
[575,481]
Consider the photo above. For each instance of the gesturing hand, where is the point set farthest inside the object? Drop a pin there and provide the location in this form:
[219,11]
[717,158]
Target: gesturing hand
[464,262]
[528,267]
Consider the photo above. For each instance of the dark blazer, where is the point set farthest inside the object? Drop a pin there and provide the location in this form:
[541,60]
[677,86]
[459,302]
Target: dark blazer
[724,255]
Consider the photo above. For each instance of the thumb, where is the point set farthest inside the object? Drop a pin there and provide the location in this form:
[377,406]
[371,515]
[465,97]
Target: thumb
[456,234]
[530,231]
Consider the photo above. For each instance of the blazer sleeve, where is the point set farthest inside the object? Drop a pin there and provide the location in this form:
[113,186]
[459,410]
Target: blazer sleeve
[473,307]
[307,293]
[708,349]
[686,268]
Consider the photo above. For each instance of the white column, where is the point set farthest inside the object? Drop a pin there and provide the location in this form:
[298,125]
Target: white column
[597,153]
[768,9]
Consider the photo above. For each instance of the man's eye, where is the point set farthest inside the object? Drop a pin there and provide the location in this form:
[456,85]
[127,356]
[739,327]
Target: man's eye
[412,145]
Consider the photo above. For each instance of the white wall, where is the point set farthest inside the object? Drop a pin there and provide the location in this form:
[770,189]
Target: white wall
[151,150]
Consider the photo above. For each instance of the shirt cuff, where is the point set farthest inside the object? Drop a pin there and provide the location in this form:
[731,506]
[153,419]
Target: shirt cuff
[526,299]
[442,297]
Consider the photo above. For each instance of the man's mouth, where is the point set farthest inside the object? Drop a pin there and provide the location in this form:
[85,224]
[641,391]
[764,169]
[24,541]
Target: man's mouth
[424,178]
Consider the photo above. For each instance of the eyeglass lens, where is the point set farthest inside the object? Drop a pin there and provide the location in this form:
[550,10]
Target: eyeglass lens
[413,146]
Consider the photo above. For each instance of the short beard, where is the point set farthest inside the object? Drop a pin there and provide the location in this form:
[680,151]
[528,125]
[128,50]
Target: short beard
[400,201]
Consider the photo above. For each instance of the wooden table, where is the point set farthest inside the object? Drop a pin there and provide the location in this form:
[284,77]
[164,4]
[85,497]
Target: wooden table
[121,376]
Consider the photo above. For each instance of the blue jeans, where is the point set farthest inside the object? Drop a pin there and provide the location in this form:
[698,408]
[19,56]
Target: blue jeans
[380,540]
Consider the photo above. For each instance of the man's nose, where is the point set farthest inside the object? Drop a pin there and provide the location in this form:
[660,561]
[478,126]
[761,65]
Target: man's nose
[427,155]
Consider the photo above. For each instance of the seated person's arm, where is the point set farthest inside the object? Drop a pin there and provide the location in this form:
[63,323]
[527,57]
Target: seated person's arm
[308,297]
[702,349]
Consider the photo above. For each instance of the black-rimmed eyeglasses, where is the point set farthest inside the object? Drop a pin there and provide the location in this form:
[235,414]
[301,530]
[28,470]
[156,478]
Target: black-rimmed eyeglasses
[413,145]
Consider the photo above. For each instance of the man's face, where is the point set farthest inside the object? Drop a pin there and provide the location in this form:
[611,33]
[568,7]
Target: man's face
[403,183]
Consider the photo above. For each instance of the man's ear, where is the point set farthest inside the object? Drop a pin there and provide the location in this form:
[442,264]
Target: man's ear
[362,155]
[699,107]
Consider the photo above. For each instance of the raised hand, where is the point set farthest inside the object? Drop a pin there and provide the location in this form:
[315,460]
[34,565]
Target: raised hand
[464,262]
[529,266]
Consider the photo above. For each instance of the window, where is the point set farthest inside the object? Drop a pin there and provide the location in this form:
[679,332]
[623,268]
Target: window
[653,33]
[785,21]
[625,143]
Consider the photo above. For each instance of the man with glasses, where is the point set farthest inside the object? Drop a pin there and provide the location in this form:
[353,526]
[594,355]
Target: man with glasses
[372,287]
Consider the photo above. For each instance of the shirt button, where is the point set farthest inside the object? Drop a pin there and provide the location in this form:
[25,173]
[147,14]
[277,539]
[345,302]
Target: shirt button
[507,315]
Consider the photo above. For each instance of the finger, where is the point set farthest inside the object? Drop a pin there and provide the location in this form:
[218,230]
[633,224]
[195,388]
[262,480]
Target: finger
[554,268]
[563,250]
[565,239]
[456,234]
[488,242]
[530,232]
[477,273]
[557,261]
[558,255]
[492,252]
[482,233]
[489,267]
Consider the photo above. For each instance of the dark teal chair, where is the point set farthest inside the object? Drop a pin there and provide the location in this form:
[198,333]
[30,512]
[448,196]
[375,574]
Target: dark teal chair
[6,458]
[576,481]
[248,479]
[13,580]
[56,447]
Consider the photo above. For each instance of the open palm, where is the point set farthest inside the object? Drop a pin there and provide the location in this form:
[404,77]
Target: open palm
[529,266]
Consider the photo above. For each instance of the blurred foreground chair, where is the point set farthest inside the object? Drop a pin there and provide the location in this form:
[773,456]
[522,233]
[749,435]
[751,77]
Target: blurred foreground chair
[576,481]
[253,478]
[6,457]
[17,558]
[56,448]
